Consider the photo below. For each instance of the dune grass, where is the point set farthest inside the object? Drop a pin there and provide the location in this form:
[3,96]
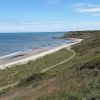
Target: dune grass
[18,72]
[80,78]
[77,79]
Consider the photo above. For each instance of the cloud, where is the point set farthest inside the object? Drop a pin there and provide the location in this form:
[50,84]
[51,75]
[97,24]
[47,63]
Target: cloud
[86,25]
[20,25]
[87,8]
[96,14]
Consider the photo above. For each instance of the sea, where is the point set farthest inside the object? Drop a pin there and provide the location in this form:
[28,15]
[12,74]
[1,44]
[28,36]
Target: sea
[12,43]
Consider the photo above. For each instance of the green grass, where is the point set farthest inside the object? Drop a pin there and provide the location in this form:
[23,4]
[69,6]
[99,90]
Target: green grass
[80,78]
[77,79]
[17,73]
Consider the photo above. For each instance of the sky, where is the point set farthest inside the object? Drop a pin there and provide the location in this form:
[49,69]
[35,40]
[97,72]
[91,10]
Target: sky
[49,15]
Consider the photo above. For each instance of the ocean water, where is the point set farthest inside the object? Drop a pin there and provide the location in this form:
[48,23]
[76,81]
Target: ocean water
[16,42]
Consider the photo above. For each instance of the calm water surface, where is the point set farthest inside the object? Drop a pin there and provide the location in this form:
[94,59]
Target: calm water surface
[15,42]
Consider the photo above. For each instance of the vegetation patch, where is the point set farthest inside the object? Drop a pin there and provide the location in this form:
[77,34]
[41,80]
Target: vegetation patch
[77,79]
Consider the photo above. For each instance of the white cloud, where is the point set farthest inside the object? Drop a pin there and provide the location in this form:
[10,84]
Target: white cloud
[87,8]
[96,14]
[20,25]
[7,25]
[86,25]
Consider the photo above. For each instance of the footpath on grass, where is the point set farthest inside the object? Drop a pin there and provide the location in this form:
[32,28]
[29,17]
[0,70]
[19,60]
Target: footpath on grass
[45,70]
[62,62]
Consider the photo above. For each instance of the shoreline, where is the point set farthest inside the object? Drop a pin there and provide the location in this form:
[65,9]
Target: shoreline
[32,55]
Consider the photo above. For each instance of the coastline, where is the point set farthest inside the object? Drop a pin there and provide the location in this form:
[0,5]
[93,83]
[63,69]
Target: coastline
[25,57]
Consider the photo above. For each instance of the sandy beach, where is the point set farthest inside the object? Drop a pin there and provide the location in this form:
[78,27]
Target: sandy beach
[25,57]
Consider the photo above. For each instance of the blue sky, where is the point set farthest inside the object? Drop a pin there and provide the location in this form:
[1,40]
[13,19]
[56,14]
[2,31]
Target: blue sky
[49,15]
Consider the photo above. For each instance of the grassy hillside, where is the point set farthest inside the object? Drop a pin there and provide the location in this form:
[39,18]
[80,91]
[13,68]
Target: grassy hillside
[80,78]
[19,72]
[77,79]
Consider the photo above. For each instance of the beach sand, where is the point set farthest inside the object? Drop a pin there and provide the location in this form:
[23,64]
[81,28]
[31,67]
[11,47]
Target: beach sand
[25,57]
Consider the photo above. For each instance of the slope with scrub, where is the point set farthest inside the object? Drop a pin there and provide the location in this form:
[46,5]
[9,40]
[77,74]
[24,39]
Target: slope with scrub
[77,79]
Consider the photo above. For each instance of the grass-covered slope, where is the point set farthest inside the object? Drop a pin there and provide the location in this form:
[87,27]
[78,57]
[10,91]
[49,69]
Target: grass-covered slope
[80,78]
[77,79]
[19,72]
